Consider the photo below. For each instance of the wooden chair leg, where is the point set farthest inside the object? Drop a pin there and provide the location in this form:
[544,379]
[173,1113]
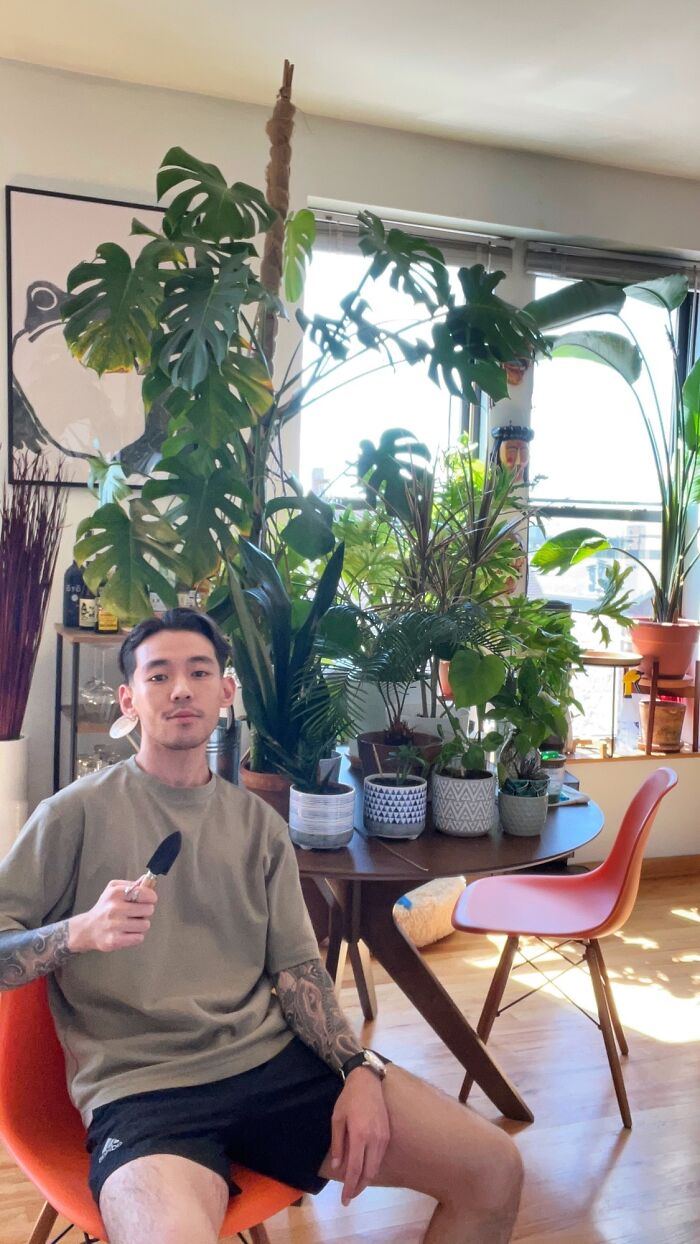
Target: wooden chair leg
[608,1034]
[43,1225]
[258,1235]
[493,998]
[610,996]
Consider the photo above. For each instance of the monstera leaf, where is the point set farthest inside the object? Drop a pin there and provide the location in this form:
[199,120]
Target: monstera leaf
[310,532]
[124,550]
[299,237]
[112,310]
[107,481]
[207,206]
[205,509]
[389,469]
[199,317]
[411,263]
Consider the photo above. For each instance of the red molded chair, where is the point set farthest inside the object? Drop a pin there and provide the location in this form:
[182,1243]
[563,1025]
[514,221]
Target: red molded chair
[45,1135]
[580,908]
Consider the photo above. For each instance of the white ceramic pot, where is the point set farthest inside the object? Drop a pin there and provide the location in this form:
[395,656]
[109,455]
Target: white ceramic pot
[322,821]
[14,803]
[521,815]
[395,811]
[464,807]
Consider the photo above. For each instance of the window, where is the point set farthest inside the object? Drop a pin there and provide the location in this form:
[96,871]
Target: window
[371,396]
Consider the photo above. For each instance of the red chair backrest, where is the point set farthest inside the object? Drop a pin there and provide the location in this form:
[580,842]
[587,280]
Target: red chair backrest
[621,871]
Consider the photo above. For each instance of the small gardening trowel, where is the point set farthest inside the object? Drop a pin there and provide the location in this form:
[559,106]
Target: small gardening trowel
[159,864]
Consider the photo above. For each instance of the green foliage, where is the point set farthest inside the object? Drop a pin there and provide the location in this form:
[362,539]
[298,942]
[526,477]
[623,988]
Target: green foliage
[574,302]
[599,347]
[131,553]
[409,763]
[413,266]
[299,237]
[395,471]
[206,207]
[614,604]
[113,311]
[520,770]
[475,678]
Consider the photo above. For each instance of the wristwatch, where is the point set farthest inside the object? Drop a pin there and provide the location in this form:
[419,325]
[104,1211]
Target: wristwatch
[366,1058]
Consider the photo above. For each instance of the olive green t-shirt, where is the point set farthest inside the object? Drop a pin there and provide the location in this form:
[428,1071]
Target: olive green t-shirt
[194,1002]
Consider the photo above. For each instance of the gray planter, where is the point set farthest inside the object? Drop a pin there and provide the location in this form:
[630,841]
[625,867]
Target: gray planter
[395,811]
[322,821]
[465,807]
[525,817]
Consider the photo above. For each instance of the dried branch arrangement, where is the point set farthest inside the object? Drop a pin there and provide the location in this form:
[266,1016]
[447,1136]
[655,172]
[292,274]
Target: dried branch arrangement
[32,514]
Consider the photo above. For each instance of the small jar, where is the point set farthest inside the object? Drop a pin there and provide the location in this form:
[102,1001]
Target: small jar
[554,764]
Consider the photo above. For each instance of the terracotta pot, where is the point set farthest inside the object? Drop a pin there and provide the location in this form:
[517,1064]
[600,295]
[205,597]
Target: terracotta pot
[428,745]
[444,676]
[668,725]
[272,787]
[672,644]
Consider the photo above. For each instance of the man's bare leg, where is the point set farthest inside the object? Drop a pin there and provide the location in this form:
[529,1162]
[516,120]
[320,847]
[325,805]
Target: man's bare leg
[164,1199]
[439,1147]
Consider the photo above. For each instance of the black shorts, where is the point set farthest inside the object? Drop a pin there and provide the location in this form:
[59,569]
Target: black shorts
[275,1119]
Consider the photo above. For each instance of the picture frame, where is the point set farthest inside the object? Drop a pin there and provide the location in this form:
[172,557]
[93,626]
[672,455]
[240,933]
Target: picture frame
[59,410]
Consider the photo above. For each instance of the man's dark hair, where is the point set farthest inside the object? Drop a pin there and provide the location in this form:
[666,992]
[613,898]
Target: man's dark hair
[172,620]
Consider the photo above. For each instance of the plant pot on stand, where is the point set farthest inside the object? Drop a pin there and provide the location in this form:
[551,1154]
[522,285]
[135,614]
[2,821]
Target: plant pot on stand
[672,644]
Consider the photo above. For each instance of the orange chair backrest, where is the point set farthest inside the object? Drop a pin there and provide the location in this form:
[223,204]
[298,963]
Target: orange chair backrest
[34,1101]
[621,871]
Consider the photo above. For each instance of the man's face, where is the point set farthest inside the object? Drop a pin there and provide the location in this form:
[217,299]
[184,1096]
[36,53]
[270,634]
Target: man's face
[176,690]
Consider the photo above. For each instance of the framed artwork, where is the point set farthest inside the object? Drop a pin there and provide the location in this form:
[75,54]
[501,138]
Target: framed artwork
[58,409]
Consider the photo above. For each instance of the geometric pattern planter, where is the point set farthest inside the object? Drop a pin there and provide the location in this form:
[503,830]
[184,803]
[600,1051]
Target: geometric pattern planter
[464,807]
[395,811]
[521,815]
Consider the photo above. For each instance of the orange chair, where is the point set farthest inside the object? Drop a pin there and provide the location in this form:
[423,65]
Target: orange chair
[45,1135]
[580,908]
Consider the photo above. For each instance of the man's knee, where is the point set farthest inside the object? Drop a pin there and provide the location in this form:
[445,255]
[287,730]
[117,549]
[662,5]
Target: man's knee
[498,1188]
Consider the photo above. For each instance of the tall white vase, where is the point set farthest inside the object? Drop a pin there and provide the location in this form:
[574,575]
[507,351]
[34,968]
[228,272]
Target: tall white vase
[14,804]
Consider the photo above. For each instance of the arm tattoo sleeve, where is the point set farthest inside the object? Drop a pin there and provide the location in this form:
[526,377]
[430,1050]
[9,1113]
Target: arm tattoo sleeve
[27,954]
[311,1009]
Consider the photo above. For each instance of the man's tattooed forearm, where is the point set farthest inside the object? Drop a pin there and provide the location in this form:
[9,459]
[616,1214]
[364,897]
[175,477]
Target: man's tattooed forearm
[311,1009]
[26,954]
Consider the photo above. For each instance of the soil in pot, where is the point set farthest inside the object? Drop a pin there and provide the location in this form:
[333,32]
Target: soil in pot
[392,809]
[376,753]
[464,805]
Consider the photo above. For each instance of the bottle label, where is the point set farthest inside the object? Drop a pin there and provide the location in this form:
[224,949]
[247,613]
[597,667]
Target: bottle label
[107,621]
[88,613]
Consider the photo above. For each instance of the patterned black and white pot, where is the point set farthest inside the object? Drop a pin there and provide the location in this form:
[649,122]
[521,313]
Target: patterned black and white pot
[322,821]
[465,806]
[395,811]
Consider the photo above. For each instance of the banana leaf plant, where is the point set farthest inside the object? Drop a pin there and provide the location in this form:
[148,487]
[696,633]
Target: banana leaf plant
[673,438]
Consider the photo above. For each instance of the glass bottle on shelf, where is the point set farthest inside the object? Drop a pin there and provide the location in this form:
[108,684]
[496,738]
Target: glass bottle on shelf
[107,622]
[72,591]
[87,609]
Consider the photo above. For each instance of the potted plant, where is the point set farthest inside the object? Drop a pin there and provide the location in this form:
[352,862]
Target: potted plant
[464,789]
[674,444]
[32,514]
[321,809]
[395,803]
[276,657]
[523,795]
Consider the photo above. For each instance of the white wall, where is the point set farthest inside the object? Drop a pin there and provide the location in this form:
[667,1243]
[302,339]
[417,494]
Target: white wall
[87,136]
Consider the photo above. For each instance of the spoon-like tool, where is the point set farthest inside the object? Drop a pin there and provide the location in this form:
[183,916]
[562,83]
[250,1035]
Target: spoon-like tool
[159,864]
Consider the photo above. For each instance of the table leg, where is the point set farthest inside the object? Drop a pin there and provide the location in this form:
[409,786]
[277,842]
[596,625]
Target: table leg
[411,973]
[344,941]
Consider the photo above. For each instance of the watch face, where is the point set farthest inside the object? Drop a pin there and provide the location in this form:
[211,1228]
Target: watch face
[372,1060]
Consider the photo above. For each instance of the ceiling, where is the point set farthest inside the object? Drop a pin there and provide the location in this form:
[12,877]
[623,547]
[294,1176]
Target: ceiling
[614,81]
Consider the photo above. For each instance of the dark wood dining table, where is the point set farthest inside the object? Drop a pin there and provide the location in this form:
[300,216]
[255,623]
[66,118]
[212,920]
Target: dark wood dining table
[361,883]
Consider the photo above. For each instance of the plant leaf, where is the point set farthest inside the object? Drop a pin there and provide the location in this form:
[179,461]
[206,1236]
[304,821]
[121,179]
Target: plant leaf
[662,291]
[567,549]
[412,264]
[111,311]
[124,551]
[299,237]
[199,317]
[474,678]
[310,532]
[204,512]
[575,302]
[207,206]
[613,349]
[691,409]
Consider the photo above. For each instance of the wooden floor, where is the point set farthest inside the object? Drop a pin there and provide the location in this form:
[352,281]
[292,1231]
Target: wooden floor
[588,1181]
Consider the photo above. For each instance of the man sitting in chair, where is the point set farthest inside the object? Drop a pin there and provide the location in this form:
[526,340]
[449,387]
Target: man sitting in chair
[198,1023]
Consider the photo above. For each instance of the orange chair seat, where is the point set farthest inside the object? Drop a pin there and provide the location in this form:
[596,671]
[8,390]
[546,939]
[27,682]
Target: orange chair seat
[45,1135]
[545,906]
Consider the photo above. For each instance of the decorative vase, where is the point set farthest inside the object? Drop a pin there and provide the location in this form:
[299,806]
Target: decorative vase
[14,803]
[465,806]
[669,716]
[672,644]
[395,811]
[323,821]
[376,754]
[272,787]
[523,815]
